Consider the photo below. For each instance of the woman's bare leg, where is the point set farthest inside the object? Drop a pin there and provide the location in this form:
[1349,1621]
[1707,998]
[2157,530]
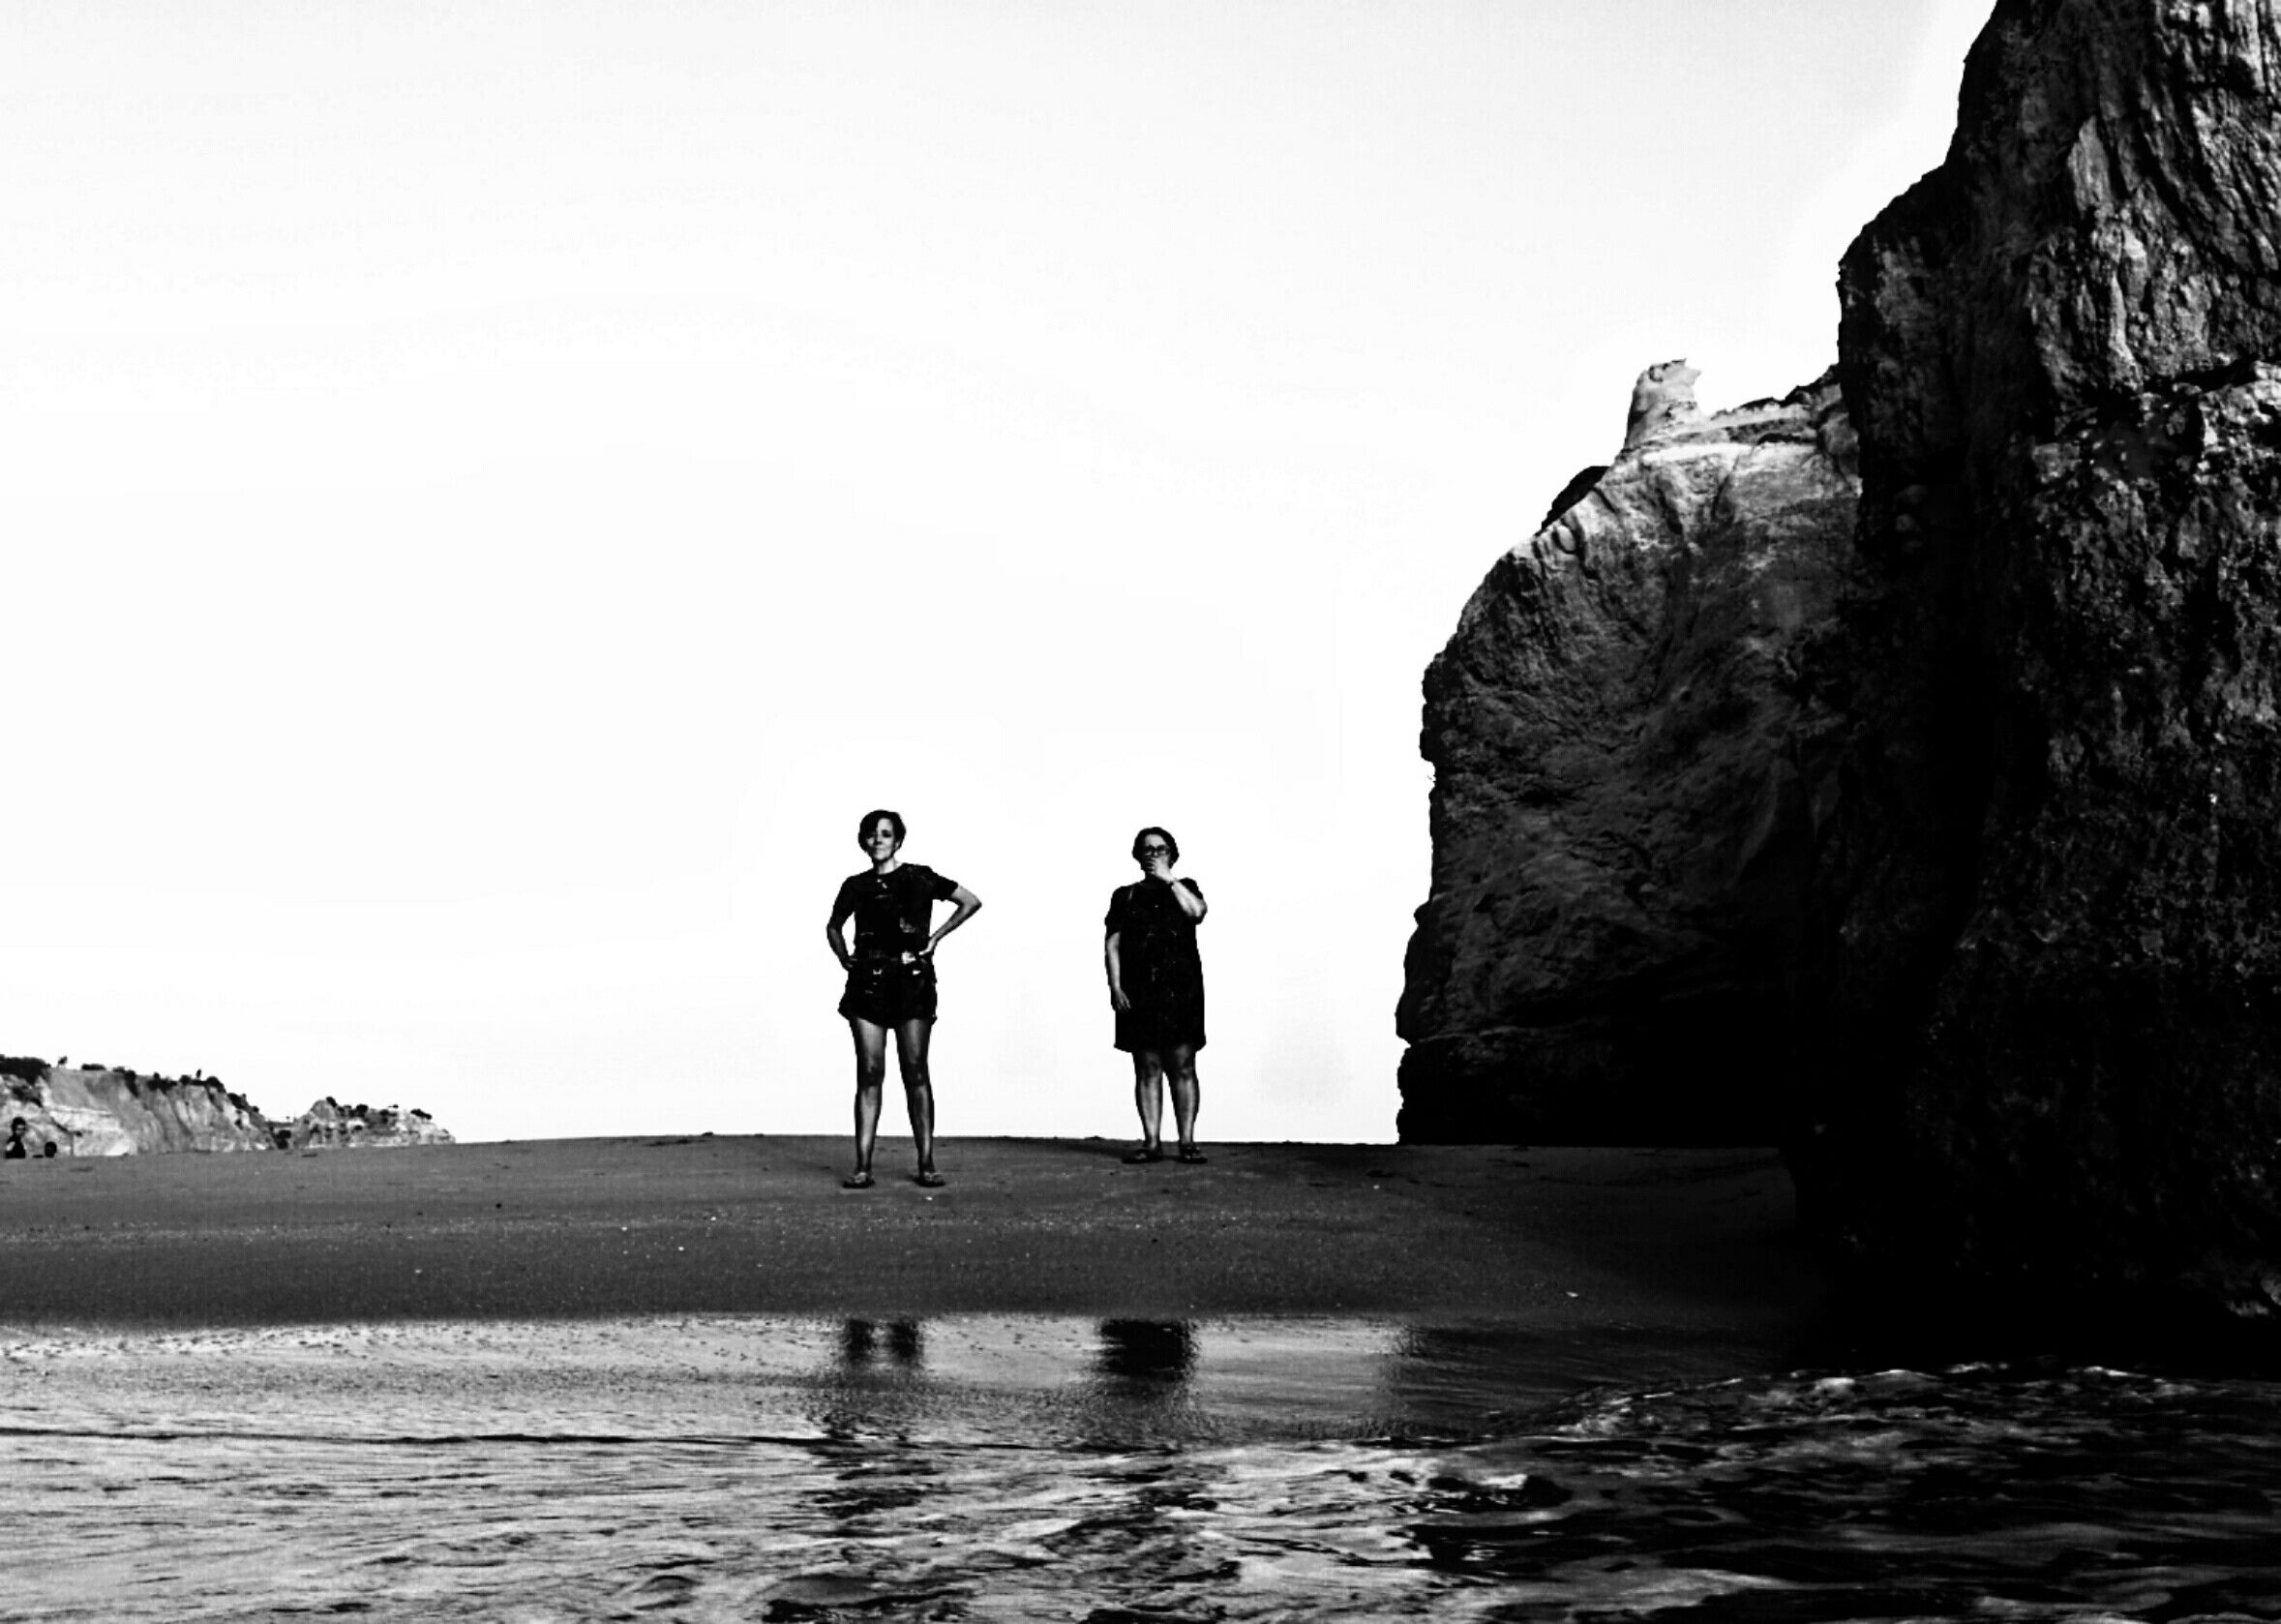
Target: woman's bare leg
[918,1086]
[871,1071]
[1147,1095]
[1180,1065]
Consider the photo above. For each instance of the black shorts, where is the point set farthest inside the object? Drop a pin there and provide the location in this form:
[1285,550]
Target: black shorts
[889,991]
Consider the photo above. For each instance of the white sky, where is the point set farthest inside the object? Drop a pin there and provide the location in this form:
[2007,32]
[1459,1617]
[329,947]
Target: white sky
[493,491]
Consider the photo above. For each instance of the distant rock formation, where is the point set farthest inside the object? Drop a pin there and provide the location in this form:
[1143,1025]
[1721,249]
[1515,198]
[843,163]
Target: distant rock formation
[1663,400]
[97,1110]
[2013,898]
[1628,776]
[329,1124]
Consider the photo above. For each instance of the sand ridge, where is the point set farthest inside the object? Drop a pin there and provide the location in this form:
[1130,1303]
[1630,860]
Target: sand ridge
[587,1227]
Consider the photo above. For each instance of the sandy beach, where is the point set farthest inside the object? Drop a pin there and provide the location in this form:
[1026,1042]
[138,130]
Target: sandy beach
[606,1378]
[1700,1240]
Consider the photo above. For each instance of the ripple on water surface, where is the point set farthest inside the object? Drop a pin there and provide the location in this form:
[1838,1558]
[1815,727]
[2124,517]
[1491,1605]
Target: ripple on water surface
[1010,1469]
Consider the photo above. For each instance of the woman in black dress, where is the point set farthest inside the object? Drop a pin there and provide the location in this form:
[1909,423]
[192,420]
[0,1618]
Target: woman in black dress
[891,982]
[1156,987]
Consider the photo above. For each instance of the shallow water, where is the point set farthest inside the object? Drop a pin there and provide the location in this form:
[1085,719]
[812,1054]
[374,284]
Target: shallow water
[733,1469]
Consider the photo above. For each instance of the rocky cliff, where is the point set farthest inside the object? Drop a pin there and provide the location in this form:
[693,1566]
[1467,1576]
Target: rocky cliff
[329,1124]
[2051,891]
[2032,1025]
[1628,774]
[98,1110]
[102,1111]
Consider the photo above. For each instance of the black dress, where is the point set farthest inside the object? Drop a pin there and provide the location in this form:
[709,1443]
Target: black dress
[1157,964]
[888,984]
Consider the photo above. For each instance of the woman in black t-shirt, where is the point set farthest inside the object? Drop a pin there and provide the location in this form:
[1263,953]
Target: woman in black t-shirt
[1156,987]
[891,982]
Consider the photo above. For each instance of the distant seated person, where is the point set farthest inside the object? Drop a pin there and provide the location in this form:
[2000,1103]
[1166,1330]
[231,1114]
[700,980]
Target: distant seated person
[15,1150]
[47,1146]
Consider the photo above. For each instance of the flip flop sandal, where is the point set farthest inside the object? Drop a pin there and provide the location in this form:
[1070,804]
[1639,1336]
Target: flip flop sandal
[1146,1153]
[856,1181]
[929,1180]
[1192,1157]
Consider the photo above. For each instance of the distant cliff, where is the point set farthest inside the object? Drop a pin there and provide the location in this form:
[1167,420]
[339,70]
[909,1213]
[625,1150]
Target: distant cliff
[332,1126]
[2002,931]
[99,1111]
[112,1111]
[1628,773]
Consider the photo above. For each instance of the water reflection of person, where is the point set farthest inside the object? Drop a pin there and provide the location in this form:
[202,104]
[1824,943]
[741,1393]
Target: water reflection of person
[1141,1374]
[1156,987]
[860,1343]
[891,982]
[881,1389]
[1149,1354]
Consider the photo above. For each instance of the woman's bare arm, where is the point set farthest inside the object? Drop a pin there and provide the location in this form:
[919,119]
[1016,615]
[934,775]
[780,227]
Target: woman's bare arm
[1191,900]
[1117,998]
[965,905]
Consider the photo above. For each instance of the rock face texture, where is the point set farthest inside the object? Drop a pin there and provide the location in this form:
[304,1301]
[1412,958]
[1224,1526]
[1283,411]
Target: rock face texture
[2024,967]
[1628,775]
[112,1111]
[2051,890]
[329,1124]
[99,1111]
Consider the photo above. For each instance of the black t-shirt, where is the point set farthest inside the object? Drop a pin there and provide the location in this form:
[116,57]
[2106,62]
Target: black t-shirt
[1148,904]
[1147,922]
[892,910]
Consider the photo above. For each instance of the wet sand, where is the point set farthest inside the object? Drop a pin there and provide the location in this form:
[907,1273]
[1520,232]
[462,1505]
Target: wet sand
[1347,1383]
[1700,1244]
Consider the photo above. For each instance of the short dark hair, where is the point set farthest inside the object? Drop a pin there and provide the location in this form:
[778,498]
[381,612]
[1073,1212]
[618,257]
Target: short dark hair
[871,822]
[1171,846]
